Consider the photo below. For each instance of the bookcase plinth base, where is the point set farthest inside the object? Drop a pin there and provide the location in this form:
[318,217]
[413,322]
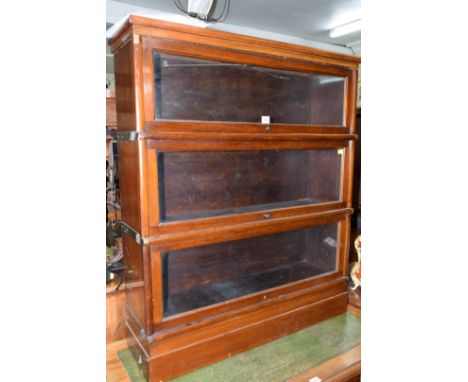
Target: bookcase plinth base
[181,354]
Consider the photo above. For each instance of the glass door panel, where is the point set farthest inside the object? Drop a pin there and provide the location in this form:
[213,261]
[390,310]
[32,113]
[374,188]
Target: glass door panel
[202,276]
[203,90]
[201,184]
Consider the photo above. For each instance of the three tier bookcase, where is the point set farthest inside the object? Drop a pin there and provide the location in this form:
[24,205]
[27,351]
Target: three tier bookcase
[235,159]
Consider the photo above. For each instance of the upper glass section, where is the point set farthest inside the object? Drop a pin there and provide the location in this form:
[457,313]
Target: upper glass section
[203,90]
[196,184]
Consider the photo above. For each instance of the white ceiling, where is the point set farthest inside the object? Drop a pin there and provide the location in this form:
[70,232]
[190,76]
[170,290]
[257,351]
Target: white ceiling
[307,19]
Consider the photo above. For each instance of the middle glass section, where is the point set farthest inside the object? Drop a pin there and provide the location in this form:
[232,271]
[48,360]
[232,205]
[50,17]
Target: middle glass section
[201,184]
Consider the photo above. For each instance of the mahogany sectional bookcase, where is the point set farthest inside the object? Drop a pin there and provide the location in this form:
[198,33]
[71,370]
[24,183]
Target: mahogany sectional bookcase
[235,159]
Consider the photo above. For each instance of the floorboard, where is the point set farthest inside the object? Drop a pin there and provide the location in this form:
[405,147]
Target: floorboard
[115,370]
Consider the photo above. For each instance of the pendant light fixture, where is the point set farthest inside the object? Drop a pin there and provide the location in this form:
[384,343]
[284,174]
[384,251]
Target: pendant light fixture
[204,10]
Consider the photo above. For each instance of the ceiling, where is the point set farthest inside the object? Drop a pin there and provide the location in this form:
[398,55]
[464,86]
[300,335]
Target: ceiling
[306,19]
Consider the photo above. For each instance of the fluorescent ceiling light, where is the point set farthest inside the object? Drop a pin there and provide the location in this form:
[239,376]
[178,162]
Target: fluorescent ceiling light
[345,29]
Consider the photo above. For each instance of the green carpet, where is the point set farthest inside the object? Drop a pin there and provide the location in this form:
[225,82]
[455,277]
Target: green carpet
[277,360]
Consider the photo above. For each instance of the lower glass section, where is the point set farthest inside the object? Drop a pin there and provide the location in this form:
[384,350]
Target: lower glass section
[198,277]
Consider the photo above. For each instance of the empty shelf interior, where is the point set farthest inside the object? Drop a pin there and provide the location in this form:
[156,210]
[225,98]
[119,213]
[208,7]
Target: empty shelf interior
[212,293]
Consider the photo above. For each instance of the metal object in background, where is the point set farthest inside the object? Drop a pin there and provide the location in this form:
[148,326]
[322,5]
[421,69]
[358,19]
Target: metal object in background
[125,135]
[112,183]
[204,10]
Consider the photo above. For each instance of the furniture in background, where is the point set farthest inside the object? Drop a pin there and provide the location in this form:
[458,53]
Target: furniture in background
[356,268]
[115,299]
[235,163]
[356,219]
[115,313]
[354,257]
[112,186]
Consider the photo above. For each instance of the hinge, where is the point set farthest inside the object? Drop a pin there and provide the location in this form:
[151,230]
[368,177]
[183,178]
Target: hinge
[129,136]
[130,231]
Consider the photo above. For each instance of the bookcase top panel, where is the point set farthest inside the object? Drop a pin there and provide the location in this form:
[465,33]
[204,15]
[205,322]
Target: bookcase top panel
[147,26]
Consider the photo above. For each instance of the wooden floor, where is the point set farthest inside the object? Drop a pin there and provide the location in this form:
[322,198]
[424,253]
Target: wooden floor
[345,367]
[114,368]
